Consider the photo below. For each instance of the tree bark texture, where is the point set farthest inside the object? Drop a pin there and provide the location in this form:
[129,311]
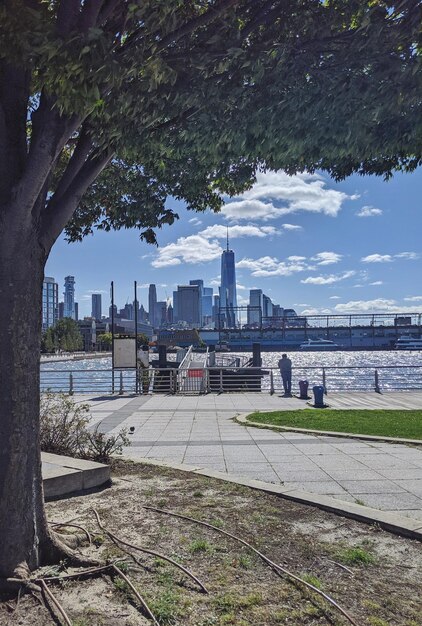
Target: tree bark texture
[24,535]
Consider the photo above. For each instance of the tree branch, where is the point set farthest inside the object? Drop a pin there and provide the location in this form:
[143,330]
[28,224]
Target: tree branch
[201,20]
[50,132]
[259,18]
[60,210]
[76,161]
[107,10]
[67,16]
[89,15]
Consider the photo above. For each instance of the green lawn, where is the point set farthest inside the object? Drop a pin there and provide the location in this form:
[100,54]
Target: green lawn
[406,424]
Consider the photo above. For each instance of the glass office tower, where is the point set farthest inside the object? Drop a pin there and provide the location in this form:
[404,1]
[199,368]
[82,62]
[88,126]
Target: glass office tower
[228,299]
[69,297]
[50,302]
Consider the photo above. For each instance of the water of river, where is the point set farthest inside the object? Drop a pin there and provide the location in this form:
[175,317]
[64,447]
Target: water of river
[343,371]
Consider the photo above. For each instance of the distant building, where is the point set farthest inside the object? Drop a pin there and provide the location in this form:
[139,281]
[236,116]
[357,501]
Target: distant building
[69,297]
[61,310]
[76,312]
[128,312]
[267,310]
[207,306]
[200,284]
[216,310]
[228,298]
[161,313]
[175,307]
[96,306]
[188,305]
[152,304]
[255,314]
[50,303]
[142,317]
[112,312]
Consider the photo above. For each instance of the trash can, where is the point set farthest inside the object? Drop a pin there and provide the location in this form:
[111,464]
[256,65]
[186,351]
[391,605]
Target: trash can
[318,396]
[303,389]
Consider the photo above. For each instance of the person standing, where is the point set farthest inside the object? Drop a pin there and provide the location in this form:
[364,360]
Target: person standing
[285,366]
[143,367]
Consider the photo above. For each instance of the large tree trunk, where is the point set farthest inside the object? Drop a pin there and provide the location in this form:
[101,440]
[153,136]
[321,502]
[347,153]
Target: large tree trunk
[24,537]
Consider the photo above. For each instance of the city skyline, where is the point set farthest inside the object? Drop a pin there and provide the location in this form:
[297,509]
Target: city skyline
[308,242]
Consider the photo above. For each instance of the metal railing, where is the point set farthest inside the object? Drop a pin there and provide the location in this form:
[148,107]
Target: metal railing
[220,379]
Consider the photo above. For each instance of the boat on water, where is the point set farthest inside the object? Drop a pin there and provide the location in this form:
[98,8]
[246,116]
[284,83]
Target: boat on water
[408,343]
[319,344]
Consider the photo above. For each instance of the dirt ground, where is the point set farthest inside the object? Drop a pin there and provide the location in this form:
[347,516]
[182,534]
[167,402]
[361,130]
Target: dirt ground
[375,576]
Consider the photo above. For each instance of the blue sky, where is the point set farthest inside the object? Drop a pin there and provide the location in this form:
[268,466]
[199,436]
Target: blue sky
[309,243]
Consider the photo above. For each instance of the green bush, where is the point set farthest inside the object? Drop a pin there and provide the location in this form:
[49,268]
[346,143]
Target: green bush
[64,429]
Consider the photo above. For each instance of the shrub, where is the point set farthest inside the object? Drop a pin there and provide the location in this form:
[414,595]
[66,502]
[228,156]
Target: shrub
[64,429]
[63,424]
[100,446]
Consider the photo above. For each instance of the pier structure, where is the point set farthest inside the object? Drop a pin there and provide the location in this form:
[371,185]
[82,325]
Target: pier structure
[369,331]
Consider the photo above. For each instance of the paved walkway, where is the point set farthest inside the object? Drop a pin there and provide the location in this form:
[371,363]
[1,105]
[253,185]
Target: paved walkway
[200,431]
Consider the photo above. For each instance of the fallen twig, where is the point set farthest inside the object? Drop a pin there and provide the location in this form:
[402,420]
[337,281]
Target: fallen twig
[347,569]
[117,541]
[136,593]
[55,602]
[276,568]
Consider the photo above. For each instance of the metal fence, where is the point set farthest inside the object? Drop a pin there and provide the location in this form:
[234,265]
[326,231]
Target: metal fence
[196,380]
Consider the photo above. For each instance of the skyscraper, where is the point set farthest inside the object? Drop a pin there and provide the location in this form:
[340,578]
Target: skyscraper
[189,305]
[255,310]
[50,302]
[96,306]
[152,305]
[228,299]
[69,297]
[200,284]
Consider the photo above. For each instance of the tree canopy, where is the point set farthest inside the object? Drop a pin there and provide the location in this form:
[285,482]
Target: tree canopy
[117,105]
[64,335]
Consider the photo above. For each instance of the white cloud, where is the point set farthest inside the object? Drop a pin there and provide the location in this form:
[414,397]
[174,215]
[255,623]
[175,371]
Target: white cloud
[315,311]
[327,258]
[388,258]
[271,266]
[376,283]
[193,249]
[291,227]
[276,194]
[369,211]
[413,299]
[365,306]
[218,231]
[335,298]
[377,258]
[195,221]
[296,258]
[327,280]
[408,256]
[251,209]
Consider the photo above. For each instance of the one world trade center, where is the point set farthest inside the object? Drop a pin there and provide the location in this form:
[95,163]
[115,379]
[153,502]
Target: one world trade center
[228,300]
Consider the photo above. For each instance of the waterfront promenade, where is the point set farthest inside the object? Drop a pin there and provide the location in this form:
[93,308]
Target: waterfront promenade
[200,431]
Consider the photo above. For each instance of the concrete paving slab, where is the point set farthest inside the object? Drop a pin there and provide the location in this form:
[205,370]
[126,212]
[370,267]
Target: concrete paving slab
[370,486]
[206,423]
[63,475]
